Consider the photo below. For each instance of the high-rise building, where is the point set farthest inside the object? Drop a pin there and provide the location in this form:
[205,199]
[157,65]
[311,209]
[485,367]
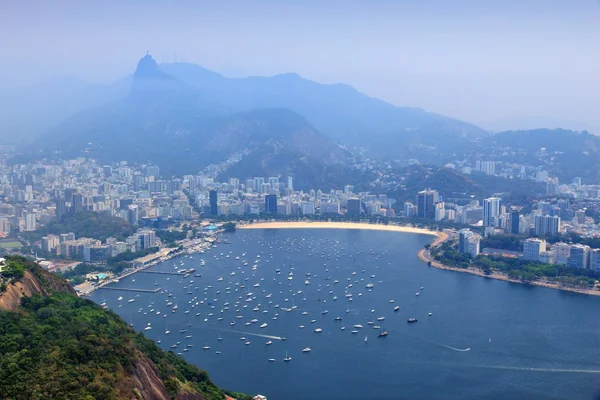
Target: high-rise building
[410,210]
[580,255]
[562,252]
[532,249]
[468,242]
[547,225]
[212,196]
[153,170]
[514,221]
[30,221]
[491,209]
[61,208]
[274,182]
[426,200]
[440,211]
[50,242]
[595,260]
[76,203]
[353,206]
[290,183]
[271,203]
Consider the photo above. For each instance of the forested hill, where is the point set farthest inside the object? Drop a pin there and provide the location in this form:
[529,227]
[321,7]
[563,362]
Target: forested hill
[55,345]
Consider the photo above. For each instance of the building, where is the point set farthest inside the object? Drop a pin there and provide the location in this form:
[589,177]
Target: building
[76,203]
[440,211]
[562,253]
[514,221]
[147,238]
[30,221]
[96,253]
[468,242]
[546,225]
[487,167]
[354,206]
[271,203]
[50,243]
[595,260]
[410,210]
[214,208]
[532,249]
[426,201]
[491,209]
[580,255]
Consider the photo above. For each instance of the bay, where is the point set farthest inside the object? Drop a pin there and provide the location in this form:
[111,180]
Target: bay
[484,339]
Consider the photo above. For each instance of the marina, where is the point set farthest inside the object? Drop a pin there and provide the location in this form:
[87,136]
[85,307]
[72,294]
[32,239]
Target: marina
[259,316]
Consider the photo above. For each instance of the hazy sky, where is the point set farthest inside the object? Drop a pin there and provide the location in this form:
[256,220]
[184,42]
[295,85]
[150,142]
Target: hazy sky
[478,60]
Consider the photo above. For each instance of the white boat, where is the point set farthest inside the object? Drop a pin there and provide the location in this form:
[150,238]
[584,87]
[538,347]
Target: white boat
[381,319]
[147,328]
[366,338]
[318,330]
[205,347]
[358,326]
[417,294]
[130,300]
[306,350]
[287,358]
[271,360]
[264,325]
[120,298]
[269,343]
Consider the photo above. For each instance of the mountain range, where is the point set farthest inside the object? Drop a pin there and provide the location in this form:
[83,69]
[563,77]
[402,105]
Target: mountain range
[184,117]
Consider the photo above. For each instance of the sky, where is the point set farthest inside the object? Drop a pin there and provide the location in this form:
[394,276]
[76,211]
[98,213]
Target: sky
[496,63]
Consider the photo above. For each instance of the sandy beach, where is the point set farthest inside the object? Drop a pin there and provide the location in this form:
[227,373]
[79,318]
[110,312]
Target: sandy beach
[343,225]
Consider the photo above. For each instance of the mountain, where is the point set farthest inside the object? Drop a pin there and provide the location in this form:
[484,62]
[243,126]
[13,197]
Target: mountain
[55,345]
[183,129]
[339,110]
[562,152]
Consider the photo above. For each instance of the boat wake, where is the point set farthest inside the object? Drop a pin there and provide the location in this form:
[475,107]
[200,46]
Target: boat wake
[253,334]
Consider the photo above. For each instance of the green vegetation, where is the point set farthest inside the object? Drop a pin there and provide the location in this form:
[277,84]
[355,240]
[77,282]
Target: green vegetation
[10,244]
[171,236]
[229,226]
[13,269]
[65,347]
[504,242]
[516,268]
[87,224]
[62,346]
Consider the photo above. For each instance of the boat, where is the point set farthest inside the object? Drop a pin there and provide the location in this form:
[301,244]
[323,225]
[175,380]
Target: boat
[269,343]
[396,308]
[287,358]
[366,338]
[318,330]
[354,332]
[205,347]
[324,312]
[338,318]
[417,294]
[306,350]
[130,300]
[271,360]
[120,298]
[264,325]
[430,314]
[358,326]
[147,328]
[381,319]
[411,320]
[382,333]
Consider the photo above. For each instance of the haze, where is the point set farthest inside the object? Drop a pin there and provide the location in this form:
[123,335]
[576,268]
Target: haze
[499,64]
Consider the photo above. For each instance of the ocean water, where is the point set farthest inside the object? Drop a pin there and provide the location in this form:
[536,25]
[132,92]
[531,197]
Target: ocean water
[485,339]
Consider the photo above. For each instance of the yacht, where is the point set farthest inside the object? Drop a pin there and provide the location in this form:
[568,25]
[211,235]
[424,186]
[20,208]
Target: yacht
[358,326]
[396,308]
[306,350]
[269,343]
[287,358]
[264,325]
[318,330]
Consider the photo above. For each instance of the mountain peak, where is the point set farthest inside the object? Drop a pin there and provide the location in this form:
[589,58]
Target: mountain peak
[148,68]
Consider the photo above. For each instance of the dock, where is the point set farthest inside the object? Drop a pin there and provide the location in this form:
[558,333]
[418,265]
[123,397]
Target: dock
[130,289]
[161,273]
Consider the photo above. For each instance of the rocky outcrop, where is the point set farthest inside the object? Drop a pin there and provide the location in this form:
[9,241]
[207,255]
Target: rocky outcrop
[42,283]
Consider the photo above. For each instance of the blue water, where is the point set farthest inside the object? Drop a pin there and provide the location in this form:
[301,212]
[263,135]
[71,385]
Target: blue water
[525,342]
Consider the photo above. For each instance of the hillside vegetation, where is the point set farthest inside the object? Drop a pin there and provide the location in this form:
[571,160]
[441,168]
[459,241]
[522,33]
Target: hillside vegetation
[55,345]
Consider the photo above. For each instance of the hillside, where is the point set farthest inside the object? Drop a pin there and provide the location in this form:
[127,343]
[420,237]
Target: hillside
[86,224]
[54,345]
[182,129]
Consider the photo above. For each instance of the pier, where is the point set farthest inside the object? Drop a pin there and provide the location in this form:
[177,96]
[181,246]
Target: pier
[130,289]
[161,273]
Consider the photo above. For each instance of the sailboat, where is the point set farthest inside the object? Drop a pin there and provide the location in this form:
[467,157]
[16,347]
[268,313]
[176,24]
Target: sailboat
[219,338]
[287,358]
[366,338]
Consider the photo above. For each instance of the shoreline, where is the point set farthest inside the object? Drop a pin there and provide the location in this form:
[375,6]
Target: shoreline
[344,225]
[423,254]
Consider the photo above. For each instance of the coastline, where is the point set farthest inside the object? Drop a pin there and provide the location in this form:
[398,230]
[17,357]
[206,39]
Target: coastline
[344,225]
[423,254]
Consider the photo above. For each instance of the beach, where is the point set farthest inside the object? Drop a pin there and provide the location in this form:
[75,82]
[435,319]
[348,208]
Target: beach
[423,254]
[441,236]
